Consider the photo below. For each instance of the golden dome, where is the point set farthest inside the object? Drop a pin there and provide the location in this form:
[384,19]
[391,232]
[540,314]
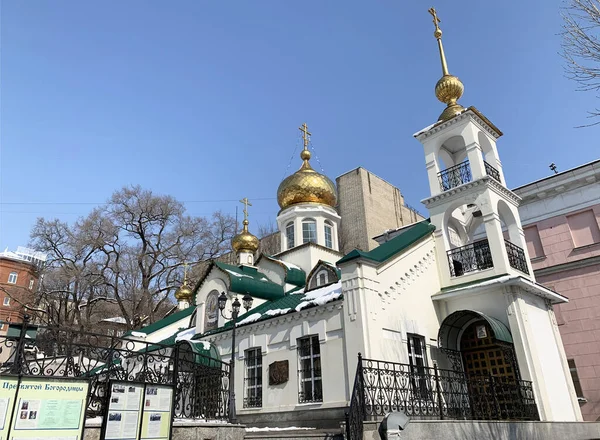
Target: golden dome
[306,185]
[245,241]
[184,293]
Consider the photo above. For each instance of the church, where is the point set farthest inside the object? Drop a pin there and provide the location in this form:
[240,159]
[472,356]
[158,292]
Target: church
[444,301]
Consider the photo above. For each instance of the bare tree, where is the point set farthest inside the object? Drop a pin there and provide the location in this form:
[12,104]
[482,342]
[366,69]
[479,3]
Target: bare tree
[269,239]
[581,46]
[125,258]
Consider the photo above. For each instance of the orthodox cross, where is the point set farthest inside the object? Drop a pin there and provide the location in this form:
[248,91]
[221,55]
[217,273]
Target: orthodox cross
[246,203]
[185,267]
[436,20]
[305,135]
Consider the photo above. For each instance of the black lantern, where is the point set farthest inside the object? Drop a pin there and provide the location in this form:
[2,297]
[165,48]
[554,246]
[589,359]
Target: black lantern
[235,307]
[222,301]
[247,301]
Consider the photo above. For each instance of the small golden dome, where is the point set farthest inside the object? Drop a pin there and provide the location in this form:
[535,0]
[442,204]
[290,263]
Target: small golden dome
[245,241]
[306,186]
[184,293]
[448,90]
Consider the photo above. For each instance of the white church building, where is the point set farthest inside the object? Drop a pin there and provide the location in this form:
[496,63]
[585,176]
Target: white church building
[446,314]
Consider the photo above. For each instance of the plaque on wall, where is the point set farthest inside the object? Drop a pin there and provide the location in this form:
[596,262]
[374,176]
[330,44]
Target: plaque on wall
[279,372]
[211,317]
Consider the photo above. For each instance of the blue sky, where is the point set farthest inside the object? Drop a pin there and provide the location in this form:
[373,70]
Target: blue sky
[202,99]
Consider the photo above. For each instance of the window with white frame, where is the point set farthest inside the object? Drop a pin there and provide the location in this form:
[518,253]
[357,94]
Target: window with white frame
[6,301]
[289,235]
[328,235]
[310,384]
[253,378]
[31,282]
[417,360]
[12,277]
[309,231]
[322,278]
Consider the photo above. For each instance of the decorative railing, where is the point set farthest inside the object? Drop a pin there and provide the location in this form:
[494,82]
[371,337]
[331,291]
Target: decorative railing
[437,394]
[200,383]
[470,258]
[516,257]
[356,414]
[455,176]
[491,171]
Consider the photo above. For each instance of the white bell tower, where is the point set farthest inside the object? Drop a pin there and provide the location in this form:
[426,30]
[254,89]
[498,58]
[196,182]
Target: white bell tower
[478,229]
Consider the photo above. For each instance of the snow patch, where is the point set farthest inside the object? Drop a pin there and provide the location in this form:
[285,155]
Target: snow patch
[139,334]
[276,312]
[290,265]
[243,275]
[186,335]
[429,127]
[252,318]
[321,296]
[291,428]
[116,319]
[205,344]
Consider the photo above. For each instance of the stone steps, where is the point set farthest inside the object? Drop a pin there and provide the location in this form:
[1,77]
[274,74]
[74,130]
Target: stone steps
[296,434]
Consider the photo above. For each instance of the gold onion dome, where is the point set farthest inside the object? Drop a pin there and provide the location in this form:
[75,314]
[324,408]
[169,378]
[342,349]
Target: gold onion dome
[245,241]
[449,88]
[184,292]
[306,185]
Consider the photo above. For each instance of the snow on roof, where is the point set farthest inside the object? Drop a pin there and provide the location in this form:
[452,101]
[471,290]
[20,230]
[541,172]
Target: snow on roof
[186,335]
[321,296]
[205,344]
[252,318]
[429,127]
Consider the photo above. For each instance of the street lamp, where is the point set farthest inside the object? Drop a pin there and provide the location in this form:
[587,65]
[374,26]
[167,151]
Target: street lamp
[235,311]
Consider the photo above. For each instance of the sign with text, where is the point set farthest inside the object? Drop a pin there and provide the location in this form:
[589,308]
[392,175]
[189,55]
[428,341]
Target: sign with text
[124,411]
[49,408]
[8,393]
[156,421]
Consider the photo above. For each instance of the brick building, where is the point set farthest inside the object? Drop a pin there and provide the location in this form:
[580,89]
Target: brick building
[19,277]
[369,206]
[561,218]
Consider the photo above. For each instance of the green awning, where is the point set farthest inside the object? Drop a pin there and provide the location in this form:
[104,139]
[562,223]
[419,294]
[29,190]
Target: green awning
[455,323]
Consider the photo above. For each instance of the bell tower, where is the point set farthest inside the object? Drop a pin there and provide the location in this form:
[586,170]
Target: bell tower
[478,229]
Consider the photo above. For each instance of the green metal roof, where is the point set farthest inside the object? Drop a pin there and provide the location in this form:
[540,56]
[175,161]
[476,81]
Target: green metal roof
[293,275]
[14,331]
[209,357]
[245,279]
[162,323]
[404,240]
[454,324]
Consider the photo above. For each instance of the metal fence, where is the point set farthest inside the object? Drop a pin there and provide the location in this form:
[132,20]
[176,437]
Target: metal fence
[200,382]
[382,387]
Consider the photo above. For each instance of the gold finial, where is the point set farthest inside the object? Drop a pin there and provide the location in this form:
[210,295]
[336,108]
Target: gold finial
[246,203]
[449,88]
[305,154]
[184,293]
[185,268]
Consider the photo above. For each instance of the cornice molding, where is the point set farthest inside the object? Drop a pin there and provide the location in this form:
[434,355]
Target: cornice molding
[459,191]
[470,113]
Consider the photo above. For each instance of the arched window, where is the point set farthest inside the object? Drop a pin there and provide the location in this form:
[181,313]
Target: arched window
[289,235]
[328,235]
[309,231]
[322,278]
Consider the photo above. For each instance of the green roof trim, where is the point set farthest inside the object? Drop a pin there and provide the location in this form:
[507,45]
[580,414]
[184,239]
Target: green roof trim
[162,323]
[246,279]
[293,275]
[402,241]
[208,357]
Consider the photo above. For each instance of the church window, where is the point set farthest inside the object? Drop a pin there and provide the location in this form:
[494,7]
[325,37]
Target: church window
[6,301]
[31,282]
[322,278]
[418,364]
[12,277]
[309,370]
[309,231]
[289,234]
[328,235]
[253,378]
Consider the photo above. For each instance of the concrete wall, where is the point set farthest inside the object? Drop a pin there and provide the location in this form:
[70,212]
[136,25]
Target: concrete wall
[369,206]
[186,430]
[466,430]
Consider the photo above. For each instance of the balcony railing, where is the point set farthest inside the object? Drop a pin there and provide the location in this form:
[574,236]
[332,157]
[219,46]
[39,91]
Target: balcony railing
[470,258]
[455,176]
[491,171]
[516,257]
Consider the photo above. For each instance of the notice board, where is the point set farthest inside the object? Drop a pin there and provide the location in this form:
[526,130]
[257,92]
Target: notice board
[49,408]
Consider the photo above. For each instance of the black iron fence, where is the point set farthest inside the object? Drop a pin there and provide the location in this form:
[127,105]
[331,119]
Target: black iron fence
[470,258]
[491,171]
[425,393]
[455,176]
[200,382]
[516,257]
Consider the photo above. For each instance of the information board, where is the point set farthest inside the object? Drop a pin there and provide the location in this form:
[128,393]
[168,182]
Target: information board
[124,411]
[156,420]
[8,392]
[49,408]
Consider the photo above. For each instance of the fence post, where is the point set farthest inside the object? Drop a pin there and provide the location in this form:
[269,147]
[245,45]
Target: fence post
[20,352]
[438,390]
[359,371]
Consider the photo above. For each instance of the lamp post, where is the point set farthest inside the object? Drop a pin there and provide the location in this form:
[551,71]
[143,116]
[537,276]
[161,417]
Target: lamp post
[235,312]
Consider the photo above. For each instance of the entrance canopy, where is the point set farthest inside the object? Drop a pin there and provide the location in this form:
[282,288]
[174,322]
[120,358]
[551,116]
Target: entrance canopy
[451,328]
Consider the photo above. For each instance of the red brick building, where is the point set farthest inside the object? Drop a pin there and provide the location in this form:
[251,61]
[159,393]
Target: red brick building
[19,278]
